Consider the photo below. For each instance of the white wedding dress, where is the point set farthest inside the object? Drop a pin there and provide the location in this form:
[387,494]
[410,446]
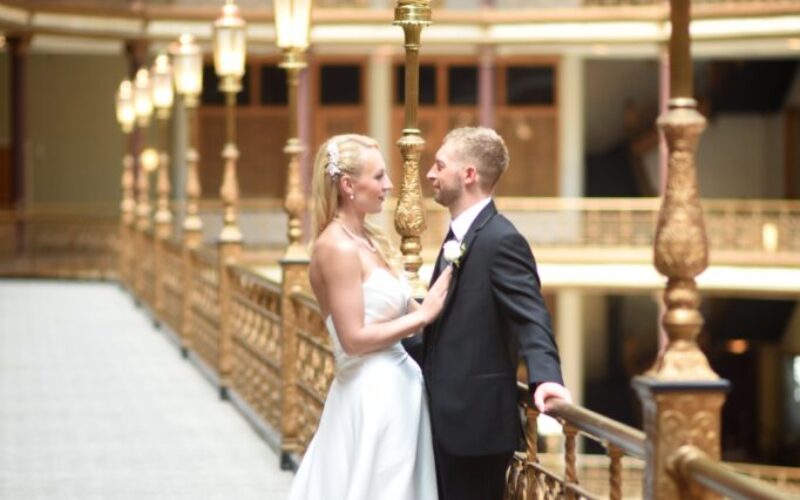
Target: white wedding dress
[374,437]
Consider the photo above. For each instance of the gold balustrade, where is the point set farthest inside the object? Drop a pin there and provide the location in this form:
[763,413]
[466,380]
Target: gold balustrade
[314,366]
[257,342]
[147,260]
[205,306]
[172,286]
[282,360]
[52,243]
[604,230]
[530,477]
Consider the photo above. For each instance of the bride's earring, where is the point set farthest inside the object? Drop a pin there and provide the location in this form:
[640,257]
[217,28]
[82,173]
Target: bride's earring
[352,196]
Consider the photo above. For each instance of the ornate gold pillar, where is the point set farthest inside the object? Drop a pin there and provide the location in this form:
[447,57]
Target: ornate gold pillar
[681,395]
[187,63]
[295,204]
[409,221]
[192,224]
[229,59]
[229,245]
[163,215]
[128,210]
[295,278]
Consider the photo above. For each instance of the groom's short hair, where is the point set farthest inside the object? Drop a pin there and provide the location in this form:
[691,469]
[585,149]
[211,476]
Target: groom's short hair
[484,148]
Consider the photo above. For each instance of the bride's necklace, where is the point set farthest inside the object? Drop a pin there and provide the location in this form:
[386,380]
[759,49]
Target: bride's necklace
[358,239]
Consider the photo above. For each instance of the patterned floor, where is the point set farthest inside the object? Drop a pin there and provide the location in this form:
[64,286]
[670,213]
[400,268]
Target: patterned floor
[96,404]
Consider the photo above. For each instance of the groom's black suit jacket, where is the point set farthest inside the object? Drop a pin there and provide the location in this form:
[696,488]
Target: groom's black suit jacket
[494,313]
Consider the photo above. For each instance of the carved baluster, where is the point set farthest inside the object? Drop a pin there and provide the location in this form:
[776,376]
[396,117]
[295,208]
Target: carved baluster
[615,472]
[570,473]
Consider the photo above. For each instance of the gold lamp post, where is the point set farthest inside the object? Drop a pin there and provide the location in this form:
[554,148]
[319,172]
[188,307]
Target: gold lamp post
[229,60]
[126,116]
[187,65]
[143,105]
[163,97]
[292,19]
[409,220]
[681,395]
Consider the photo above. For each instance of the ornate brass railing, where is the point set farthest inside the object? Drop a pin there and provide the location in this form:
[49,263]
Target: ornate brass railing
[529,478]
[146,256]
[315,366]
[80,243]
[172,286]
[742,232]
[205,307]
[257,342]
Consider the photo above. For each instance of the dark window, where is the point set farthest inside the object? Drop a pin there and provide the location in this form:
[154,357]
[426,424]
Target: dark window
[427,84]
[273,86]
[462,85]
[529,85]
[211,93]
[340,84]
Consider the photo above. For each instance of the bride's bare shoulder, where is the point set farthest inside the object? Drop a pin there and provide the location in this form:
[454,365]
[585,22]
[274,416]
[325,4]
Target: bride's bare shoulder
[334,246]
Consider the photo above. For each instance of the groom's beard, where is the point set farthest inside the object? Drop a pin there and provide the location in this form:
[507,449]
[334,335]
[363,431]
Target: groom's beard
[446,197]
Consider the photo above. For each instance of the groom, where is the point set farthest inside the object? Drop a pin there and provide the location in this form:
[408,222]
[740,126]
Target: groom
[494,314]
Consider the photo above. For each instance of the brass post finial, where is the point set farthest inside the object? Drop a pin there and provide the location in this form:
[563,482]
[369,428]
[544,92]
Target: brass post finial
[412,16]
[681,247]
[681,395]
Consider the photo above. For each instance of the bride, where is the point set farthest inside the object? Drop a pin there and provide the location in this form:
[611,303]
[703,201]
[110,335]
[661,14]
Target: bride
[374,438]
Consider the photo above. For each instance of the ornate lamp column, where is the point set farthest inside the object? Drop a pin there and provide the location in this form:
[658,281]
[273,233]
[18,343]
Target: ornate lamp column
[229,62]
[292,26]
[187,63]
[143,105]
[681,395]
[126,116]
[409,221]
[163,97]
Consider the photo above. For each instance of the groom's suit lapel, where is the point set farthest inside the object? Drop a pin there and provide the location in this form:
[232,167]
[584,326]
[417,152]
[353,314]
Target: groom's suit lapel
[473,232]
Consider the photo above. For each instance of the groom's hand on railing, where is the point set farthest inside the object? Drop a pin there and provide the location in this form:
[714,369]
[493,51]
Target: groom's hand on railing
[550,390]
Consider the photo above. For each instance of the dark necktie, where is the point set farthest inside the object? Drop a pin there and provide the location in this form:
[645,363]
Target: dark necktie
[441,263]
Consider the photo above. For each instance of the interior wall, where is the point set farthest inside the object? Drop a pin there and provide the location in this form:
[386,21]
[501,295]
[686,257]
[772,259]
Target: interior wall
[741,156]
[75,144]
[5,103]
[609,84]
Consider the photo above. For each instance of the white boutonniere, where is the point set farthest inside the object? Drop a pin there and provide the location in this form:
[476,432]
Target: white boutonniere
[453,251]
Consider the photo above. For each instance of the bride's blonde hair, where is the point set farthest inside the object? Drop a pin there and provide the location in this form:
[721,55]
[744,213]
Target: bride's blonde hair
[343,155]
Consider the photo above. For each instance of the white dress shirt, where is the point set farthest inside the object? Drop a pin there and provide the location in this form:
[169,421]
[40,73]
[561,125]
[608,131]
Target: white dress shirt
[460,225]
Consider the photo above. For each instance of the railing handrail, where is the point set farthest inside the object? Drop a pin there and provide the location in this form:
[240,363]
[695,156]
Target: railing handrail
[691,463]
[307,300]
[626,438]
[262,280]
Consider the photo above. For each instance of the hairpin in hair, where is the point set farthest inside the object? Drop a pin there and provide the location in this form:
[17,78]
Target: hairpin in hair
[332,169]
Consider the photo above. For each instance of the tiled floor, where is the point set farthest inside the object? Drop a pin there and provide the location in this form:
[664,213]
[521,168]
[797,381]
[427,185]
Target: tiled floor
[96,404]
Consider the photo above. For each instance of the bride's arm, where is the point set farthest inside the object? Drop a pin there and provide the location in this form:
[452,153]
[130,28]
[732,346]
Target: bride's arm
[341,271]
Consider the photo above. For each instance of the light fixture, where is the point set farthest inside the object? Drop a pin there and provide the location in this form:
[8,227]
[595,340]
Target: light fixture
[143,101]
[163,94]
[126,113]
[148,158]
[229,47]
[292,19]
[187,67]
